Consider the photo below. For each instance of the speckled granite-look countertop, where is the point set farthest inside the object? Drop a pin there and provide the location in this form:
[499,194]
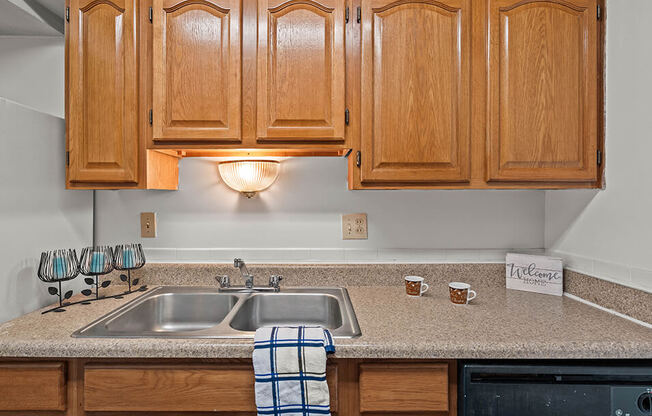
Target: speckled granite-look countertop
[500,323]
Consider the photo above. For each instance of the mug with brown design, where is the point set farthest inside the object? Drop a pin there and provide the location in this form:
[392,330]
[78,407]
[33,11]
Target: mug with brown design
[461,293]
[415,286]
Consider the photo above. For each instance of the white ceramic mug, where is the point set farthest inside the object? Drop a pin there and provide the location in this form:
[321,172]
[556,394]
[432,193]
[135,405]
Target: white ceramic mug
[415,286]
[461,293]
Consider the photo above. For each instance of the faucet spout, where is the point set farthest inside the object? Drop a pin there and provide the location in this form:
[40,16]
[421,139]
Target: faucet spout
[248,278]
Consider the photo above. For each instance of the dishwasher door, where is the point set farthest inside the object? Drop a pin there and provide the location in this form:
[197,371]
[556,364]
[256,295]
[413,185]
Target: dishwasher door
[555,390]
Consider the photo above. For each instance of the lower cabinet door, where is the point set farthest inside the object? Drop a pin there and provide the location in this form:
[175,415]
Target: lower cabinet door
[32,386]
[176,388]
[408,388]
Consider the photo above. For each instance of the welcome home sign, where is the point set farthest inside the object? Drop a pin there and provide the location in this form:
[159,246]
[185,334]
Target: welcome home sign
[539,274]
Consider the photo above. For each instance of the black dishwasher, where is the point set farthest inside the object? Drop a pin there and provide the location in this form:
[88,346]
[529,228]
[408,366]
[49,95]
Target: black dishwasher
[555,389]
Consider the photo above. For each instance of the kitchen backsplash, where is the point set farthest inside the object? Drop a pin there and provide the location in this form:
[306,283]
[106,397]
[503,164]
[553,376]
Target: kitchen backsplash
[626,275]
[328,255]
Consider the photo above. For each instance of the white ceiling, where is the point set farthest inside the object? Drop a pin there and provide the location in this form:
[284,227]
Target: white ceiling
[32,17]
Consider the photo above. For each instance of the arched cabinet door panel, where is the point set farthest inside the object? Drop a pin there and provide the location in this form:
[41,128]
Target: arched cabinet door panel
[415,114]
[102,92]
[543,84]
[300,70]
[197,71]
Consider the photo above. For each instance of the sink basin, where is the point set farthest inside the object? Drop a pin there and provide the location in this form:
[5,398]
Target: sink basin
[199,312]
[288,309]
[174,312]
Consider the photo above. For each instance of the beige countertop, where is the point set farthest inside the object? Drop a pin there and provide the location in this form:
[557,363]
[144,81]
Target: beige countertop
[500,323]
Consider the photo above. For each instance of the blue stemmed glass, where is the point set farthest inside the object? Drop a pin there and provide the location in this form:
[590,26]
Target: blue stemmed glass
[128,257]
[96,261]
[58,266]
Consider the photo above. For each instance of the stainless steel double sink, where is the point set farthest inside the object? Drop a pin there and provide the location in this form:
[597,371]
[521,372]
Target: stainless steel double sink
[201,312]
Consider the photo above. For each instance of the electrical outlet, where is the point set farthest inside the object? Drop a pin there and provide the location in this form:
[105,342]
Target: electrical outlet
[354,226]
[148,224]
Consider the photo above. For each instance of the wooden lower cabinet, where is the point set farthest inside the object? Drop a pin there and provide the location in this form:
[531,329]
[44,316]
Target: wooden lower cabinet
[404,387]
[37,386]
[78,387]
[175,387]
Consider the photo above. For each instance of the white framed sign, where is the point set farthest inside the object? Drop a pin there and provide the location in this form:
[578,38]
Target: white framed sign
[539,274]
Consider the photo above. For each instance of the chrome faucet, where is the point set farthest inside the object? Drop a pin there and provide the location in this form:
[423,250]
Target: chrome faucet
[225,281]
[275,282]
[248,278]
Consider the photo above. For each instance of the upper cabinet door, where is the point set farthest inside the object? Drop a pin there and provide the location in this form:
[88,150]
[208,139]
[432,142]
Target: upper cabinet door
[543,90]
[102,92]
[301,82]
[197,71]
[416,91]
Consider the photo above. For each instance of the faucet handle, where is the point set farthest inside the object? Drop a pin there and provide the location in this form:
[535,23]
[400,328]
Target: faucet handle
[224,281]
[275,281]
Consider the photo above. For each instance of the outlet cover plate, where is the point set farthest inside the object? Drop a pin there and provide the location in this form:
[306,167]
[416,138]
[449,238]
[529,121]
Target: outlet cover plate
[148,224]
[354,226]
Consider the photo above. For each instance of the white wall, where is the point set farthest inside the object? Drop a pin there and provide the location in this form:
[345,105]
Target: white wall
[302,210]
[36,212]
[32,72]
[609,233]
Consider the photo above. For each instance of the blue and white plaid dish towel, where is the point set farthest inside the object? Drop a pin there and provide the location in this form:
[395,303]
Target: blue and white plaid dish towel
[290,370]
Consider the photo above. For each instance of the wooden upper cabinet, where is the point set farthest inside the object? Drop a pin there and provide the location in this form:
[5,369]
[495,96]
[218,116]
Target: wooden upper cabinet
[543,91]
[197,71]
[301,71]
[102,92]
[415,115]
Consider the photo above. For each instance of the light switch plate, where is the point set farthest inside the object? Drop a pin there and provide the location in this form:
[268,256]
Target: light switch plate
[354,226]
[148,224]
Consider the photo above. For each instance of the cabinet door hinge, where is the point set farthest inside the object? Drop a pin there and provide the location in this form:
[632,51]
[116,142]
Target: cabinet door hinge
[346,116]
[151,117]
[358,158]
[151,15]
[599,12]
[346,15]
[67,14]
[67,158]
[599,158]
[359,14]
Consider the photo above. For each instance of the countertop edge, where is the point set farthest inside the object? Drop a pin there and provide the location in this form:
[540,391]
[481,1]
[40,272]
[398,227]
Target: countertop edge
[225,351]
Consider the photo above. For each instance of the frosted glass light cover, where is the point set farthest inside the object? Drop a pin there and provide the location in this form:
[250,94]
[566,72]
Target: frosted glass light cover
[249,176]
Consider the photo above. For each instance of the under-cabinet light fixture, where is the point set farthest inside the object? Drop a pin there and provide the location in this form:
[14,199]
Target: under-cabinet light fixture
[249,176]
